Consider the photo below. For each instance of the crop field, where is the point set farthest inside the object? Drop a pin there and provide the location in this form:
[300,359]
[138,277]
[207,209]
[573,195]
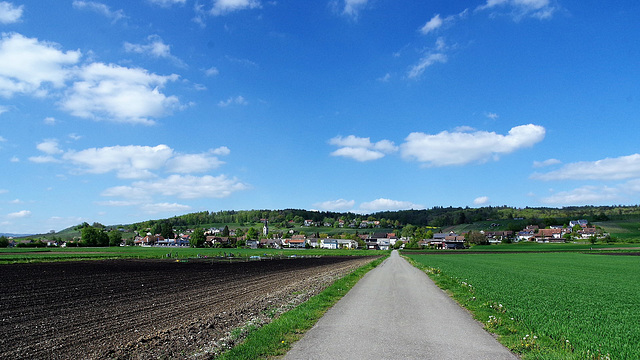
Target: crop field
[25,255]
[549,305]
[142,309]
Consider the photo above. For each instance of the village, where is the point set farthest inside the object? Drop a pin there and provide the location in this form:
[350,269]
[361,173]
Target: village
[577,230]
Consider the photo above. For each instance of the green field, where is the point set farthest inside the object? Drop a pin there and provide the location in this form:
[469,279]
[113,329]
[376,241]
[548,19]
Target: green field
[24,255]
[549,305]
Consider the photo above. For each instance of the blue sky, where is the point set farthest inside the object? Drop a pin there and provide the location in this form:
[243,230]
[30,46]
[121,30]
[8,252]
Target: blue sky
[123,111]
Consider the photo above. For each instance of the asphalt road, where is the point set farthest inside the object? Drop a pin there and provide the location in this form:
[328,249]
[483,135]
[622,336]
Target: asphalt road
[397,312]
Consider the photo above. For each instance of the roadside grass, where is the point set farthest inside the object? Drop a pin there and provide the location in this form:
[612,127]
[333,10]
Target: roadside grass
[547,306]
[48,254]
[527,246]
[277,337]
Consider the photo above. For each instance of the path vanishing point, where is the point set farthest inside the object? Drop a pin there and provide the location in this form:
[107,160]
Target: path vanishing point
[396,312]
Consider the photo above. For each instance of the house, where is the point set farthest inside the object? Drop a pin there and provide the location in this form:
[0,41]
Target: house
[384,244]
[329,243]
[271,243]
[587,232]
[314,242]
[551,235]
[347,244]
[583,223]
[148,240]
[498,236]
[296,241]
[252,244]
[308,223]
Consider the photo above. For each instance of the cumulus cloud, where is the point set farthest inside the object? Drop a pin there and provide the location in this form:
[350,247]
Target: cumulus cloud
[482,200]
[518,9]
[10,13]
[120,94]
[129,162]
[222,7]
[362,149]
[49,147]
[19,214]
[99,8]
[388,204]
[181,186]
[623,167]
[30,66]
[155,48]
[459,148]
[335,205]
[194,163]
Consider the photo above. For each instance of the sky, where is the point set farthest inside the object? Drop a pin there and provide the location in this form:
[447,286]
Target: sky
[124,111]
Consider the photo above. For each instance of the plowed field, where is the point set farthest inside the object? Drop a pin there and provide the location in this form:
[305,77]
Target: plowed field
[135,309]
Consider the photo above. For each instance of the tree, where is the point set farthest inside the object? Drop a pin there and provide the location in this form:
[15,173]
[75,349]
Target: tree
[408,231]
[166,231]
[225,231]
[92,236]
[156,229]
[197,238]
[252,233]
[477,238]
[4,241]
[115,238]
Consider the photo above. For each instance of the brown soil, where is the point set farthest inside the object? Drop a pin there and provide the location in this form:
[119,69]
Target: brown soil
[140,309]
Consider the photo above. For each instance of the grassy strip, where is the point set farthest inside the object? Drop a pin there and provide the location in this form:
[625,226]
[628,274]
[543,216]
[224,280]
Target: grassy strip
[512,333]
[277,337]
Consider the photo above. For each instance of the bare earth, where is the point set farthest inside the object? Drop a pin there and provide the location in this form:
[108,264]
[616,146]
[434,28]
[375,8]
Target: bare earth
[141,309]
[397,312]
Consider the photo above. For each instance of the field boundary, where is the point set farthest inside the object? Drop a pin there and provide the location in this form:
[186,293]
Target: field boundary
[276,338]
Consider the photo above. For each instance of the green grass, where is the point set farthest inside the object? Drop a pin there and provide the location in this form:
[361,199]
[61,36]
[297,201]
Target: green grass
[548,306]
[25,255]
[276,338]
[527,246]
[624,230]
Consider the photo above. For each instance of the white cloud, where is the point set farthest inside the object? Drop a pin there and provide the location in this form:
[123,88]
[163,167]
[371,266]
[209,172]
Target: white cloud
[459,148]
[43,159]
[181,186]
[353,7]
[129,162]
[74,136]
[14,159]
[335,205]
[518,9]
[212,71]
[432,25]
[19,214]
[623,167]
[238,100]
[164,208]
[120,94]
[99,8]
[482,200]
[362,149]
[388,204]
[49,147]
[193,163]
[2,139]
[385,78]
[10,13]
[27,65]
[222,7]
[586,195]
[426,61]
[167,3]
[492,116]
[3,109]
[3,191]
[49,120]
[156,48]
[548,162]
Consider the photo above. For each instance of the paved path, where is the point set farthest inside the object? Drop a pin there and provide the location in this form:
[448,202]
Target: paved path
[397,312]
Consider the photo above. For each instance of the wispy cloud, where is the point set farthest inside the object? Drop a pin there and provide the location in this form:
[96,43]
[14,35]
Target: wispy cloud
[623,167]
[223,7]
[519,9]
[10,13]
[155,48]
[167,3]
[383,204]
[362,149]
[212,71]
[545,163]
[351,8]
[459,148]
[238,100]
[335,205]
[100,8]
[19,214]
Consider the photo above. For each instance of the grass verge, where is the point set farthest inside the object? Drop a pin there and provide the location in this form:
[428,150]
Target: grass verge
[277,337]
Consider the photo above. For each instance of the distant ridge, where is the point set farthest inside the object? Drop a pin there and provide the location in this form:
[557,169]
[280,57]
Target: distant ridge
[15,235]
